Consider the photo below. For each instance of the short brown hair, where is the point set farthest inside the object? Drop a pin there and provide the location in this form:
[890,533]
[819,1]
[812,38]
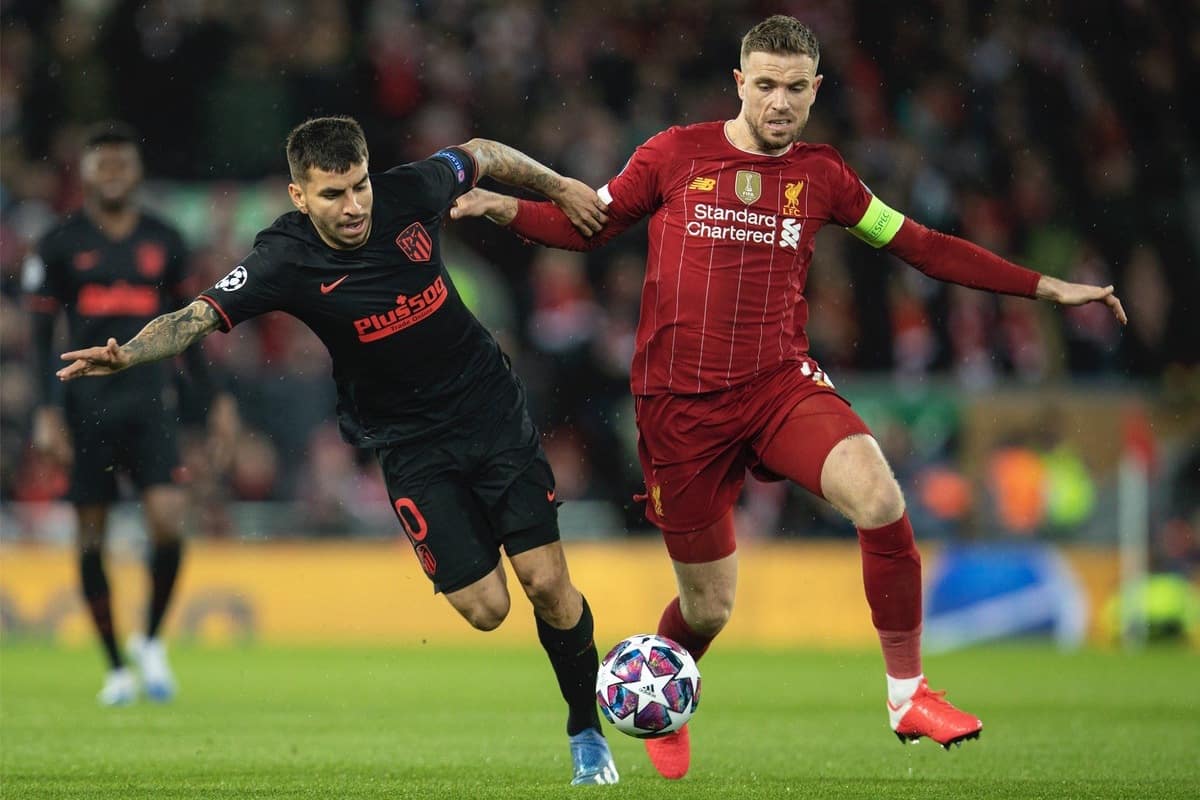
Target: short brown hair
[332,144]
[109,131]
[783,35]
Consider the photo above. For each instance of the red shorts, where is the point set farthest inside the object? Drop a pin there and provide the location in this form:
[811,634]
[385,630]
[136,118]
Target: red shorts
[695,449]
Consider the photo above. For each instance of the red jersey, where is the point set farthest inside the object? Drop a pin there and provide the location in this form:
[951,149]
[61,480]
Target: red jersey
[731,240]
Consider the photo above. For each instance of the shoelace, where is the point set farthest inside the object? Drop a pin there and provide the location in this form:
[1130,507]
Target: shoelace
[937,697]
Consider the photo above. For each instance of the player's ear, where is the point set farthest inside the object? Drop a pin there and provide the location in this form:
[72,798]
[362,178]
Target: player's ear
[297,195]
[817,84]
[740,80]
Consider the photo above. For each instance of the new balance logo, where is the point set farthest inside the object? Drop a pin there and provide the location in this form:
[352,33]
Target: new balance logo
[703,184]
[326,288]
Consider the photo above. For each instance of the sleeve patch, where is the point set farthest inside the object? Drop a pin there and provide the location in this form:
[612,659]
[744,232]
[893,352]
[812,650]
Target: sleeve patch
[879,224]
[456,163]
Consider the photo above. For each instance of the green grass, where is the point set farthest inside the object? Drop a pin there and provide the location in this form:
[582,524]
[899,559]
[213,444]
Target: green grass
[429,723]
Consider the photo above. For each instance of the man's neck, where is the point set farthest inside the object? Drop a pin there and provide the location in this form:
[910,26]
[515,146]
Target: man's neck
[116,223]
[738,134]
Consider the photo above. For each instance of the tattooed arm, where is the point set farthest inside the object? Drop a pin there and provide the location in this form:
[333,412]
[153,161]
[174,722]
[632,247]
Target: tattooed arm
[577,200]
[162,337]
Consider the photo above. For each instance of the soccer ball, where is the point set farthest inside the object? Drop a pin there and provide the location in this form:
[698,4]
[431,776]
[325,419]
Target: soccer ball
[648,686]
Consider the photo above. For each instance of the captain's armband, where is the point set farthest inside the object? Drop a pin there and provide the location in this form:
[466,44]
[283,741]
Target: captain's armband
[879,224]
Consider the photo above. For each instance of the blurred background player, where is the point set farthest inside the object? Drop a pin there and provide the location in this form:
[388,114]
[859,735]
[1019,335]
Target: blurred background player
[722,374]
[107,270]
[420,381]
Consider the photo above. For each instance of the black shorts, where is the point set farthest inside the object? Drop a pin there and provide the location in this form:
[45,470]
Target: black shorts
[462,496]
[140,441]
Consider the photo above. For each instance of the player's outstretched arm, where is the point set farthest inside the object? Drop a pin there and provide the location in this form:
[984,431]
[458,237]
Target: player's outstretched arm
[577,200]
[955,260]
[1078,294]
[162,337]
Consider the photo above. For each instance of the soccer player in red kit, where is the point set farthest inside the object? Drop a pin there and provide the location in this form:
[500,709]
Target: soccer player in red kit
[722,374]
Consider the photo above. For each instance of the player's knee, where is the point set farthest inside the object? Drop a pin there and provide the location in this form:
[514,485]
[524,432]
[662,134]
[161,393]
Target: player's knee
[707,616]
[880,502]
[89,540]
[487,616]
[545,588]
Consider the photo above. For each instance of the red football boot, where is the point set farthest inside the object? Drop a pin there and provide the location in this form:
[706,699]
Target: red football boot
[671,754]
[927,713]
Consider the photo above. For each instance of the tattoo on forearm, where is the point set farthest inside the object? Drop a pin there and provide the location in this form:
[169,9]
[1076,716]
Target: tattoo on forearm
[172,333]
[513,167]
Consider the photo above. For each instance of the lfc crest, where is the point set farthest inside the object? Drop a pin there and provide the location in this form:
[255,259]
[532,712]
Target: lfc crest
[748,186]
[791,198]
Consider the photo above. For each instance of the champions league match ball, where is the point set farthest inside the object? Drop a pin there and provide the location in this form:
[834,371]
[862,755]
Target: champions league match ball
[648,686]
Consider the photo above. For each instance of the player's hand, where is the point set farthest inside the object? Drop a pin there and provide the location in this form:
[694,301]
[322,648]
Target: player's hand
[224,426]
[498,208]
[50,436]
[582,206]
[94,361]
[1078,294]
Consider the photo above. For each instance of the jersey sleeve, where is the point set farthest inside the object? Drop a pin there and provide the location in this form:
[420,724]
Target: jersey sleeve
[849,198]
[255,286]
[638,190]
[43,274]
[434,183]
[634,193]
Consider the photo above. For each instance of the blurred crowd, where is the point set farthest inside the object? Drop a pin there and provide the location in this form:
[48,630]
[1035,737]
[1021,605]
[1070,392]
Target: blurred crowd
[1056,134]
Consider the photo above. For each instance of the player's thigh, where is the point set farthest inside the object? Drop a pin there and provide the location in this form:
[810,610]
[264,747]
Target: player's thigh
[150,450]
[857,480]
[94,467]
[799,445]
[91,525]
[513,481]
[451,536]
[693,456]
[164,506]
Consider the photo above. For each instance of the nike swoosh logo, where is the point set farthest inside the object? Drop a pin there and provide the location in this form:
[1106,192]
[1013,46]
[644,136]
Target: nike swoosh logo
[550,495]
[326,288]
[894,708]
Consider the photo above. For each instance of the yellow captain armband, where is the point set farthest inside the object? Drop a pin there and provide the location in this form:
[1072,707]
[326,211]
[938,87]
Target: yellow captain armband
[879,224]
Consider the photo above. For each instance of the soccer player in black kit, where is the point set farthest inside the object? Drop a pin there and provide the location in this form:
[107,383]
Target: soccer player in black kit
[420,381]
[109,269]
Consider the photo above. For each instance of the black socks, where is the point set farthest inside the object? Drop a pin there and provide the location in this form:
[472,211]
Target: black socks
[95,594]
[575,660]
[164,566]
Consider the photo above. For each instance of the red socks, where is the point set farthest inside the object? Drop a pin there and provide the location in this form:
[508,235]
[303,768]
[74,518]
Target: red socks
[892,579]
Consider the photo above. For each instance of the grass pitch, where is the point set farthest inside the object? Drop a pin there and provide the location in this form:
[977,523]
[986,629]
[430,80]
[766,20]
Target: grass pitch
[437,723]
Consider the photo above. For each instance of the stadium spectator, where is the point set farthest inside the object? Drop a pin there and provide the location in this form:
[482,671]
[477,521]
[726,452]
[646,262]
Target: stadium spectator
[959,107]
[108,270]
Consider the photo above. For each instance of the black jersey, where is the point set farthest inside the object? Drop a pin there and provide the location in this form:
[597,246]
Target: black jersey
[409,358]
[108,288]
